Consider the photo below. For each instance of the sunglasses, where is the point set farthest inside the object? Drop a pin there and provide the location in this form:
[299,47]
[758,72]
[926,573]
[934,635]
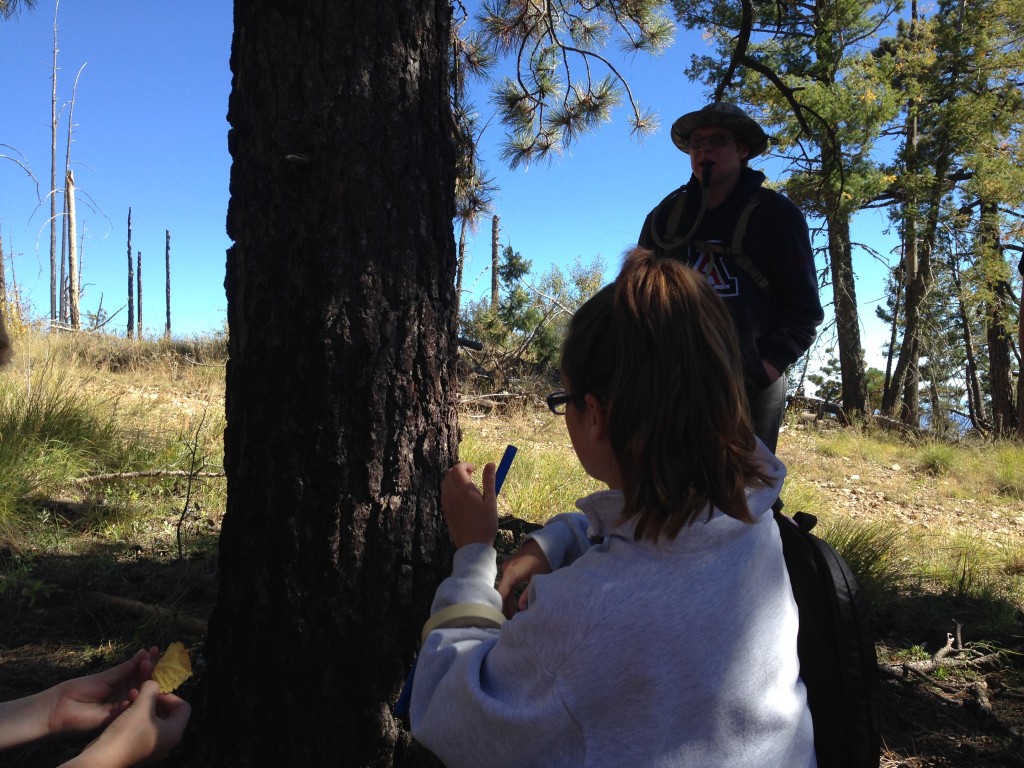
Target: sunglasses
[715,141]
[558,400]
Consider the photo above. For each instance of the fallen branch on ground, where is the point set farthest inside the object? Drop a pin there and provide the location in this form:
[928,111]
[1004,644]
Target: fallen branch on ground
[146,473]
[972,694]
[146,611]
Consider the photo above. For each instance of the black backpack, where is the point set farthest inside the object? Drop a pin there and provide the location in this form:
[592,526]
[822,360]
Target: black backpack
[838,663]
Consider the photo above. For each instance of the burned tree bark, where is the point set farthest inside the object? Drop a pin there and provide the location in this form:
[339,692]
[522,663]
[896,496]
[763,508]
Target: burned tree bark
[167,281]
[131,281]
[340,406]
[138,293]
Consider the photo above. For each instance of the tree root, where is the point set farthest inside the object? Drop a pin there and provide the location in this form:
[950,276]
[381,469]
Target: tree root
[970,694]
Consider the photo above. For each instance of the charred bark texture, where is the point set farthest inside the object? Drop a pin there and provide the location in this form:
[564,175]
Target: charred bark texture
[340,407]
[138,293]
[167,282]
[131,281]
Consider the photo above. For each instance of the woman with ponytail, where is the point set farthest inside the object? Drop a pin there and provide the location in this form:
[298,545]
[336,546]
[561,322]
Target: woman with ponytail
[657,626]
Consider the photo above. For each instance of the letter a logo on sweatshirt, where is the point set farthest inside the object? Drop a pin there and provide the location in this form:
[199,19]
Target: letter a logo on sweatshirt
[717,274]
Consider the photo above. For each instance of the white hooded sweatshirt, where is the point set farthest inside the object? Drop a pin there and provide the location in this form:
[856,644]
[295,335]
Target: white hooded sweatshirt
[677,653]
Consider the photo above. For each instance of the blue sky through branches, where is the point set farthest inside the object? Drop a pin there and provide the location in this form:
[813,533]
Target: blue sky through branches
[151,133]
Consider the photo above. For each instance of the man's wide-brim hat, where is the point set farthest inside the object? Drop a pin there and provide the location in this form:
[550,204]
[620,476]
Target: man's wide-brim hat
[720,115]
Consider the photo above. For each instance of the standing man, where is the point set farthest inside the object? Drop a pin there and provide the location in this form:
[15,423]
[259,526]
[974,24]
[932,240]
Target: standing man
[753,246]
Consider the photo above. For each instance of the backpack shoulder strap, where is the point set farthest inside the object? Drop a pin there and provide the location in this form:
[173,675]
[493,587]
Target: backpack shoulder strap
[740,231]
[667,240]
[735,250]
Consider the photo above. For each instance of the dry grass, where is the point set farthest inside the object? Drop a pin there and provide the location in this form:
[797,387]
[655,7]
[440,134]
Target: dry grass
[545,477]
[942,527]
[904,514]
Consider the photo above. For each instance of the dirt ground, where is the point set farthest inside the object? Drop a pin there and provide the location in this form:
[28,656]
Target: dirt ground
[74,614]
[969,716]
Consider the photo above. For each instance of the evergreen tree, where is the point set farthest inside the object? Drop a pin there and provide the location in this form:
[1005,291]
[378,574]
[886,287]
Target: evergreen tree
[808,69]
[961,71]
[523,334]
[11,8]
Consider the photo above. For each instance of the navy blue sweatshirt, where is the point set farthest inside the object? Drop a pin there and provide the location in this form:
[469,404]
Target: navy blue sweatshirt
[777,325]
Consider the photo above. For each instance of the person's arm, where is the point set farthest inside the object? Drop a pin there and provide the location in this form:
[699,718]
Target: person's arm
[481,695]
[558,544]
[79,705]
[146,732]
[25,720]
[794,280]
[471,514]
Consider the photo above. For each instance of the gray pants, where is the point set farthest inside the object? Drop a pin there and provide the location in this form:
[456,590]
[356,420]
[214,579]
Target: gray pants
[766,409]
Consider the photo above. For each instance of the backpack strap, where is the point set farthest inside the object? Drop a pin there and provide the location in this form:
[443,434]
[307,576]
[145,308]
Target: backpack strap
[669,243]
[735,250]
[675,216]
[741,259]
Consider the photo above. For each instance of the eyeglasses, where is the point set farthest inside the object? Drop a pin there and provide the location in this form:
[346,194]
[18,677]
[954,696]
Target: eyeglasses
[558,400]
[714,141]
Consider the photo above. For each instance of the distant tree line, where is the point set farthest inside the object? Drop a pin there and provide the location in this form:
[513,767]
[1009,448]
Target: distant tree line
[873,107]
[66,269]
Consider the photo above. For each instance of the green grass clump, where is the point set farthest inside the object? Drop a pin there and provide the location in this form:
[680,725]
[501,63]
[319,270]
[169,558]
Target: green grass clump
[545,478]
[873,552]
[58,429]
[1008,471]
[937,458]
[861,444]
[49,432]
[800,496]
[978,583]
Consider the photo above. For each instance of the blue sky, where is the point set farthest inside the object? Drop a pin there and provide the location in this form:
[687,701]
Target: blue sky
[151,133]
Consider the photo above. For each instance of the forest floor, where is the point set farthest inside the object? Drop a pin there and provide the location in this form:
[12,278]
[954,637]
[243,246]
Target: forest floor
[76,603]
[967,716]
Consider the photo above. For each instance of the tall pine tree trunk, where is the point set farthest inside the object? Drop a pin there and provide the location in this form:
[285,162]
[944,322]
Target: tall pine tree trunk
[340,402]
[897,303]
[5,341]
[62,298]
[495,251]
[1020,368]
[131,282]
[138,294]
[167,281]
[460,266]
[73,286]
[851,355]
[975,401]
[997,289]
[919,248]
[53,175]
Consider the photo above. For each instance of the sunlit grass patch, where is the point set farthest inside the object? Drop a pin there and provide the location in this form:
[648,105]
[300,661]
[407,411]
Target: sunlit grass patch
[1007,471]
[937,458]
[801,496]
[861,444]
[874,553]
[545,478]
[59,433]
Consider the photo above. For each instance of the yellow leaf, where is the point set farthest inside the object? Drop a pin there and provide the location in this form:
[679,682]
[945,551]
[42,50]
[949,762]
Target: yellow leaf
[173,669]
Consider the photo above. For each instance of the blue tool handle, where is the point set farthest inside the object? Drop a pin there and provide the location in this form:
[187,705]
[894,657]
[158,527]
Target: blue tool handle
[503,467]
[402,705]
